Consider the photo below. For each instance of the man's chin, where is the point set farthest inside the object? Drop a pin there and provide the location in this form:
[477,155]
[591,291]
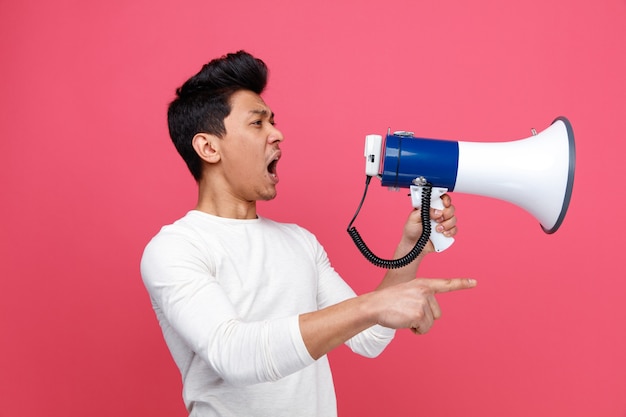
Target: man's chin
[270,195]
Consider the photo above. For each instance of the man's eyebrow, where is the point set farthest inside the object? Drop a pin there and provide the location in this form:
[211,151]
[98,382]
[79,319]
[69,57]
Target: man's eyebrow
[262,112]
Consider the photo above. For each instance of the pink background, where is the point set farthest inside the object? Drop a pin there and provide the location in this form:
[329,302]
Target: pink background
[89,175]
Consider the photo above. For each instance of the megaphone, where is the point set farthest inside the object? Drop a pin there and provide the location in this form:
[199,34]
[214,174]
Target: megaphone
[535,173]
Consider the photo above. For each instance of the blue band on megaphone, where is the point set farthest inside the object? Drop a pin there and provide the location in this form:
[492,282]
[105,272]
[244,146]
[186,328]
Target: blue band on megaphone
[408,158]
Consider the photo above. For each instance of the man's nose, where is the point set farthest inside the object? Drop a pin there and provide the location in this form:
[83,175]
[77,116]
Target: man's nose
[276,136]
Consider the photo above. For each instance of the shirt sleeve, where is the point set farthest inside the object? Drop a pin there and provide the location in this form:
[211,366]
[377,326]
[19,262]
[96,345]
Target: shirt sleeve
[332,290]
[182,284]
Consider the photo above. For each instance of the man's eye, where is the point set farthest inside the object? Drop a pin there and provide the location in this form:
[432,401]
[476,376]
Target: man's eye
[260,122]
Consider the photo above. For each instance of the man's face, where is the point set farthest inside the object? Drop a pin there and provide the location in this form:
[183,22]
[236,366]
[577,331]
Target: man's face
[250,149]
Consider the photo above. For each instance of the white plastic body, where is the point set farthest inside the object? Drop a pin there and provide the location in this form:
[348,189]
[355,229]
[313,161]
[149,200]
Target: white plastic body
[531,173]
[439,240]
[373,149]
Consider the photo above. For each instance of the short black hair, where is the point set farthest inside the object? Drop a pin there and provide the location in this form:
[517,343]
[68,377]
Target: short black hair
[203,101]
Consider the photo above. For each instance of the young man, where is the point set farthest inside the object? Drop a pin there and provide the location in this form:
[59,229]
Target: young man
[249,307]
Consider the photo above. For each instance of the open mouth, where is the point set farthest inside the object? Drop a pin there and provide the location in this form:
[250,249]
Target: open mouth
[271,168]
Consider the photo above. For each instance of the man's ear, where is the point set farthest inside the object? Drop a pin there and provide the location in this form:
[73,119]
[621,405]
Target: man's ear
[207,147]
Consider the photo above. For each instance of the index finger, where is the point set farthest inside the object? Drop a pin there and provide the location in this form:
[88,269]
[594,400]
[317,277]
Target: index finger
[439,285]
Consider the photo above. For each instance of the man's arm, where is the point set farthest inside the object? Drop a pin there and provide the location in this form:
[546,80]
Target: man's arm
[410,304]
[400,301]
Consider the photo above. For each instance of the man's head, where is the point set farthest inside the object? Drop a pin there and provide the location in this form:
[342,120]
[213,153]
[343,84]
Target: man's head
[204,101]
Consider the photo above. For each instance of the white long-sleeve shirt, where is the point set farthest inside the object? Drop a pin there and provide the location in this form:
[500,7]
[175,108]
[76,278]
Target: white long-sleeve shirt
[227,294]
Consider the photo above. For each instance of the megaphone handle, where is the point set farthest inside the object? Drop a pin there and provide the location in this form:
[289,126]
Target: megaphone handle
[439,240]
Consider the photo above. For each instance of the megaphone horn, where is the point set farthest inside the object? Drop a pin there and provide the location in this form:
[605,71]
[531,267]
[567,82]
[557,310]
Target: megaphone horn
[536,174]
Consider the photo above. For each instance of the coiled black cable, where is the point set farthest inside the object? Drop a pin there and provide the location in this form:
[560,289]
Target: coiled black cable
[419,245]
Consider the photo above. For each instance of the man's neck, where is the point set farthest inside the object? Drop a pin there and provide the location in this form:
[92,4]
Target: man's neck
[225,205]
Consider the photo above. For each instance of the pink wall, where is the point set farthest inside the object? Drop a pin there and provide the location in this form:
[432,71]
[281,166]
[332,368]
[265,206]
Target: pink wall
[88,176]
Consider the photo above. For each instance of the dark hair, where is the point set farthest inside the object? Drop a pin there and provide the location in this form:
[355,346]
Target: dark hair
[203,102]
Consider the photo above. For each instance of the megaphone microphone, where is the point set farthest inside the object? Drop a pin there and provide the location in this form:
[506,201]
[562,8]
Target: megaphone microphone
[536,174]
